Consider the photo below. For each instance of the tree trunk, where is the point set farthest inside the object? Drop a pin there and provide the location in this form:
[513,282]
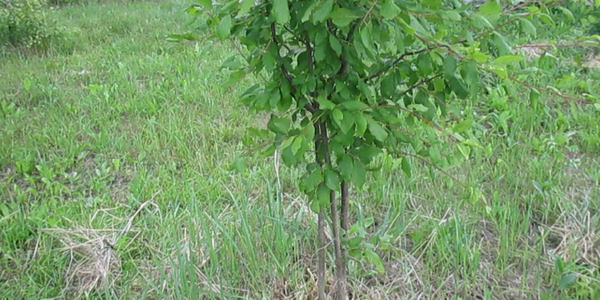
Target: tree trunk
[321,255]
[320,225]
[344,222]
[340,260]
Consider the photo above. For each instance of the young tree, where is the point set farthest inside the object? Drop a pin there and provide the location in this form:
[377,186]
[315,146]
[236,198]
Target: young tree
[347,80]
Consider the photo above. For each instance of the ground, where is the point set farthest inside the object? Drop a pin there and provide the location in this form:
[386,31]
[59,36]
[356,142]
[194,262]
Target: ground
[115,183]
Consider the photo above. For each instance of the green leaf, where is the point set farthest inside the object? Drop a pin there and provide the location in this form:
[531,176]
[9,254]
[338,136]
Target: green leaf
[355,242]
[322,13]
[325,103]
[297,144]
[500,72]
[546,19]
[361,124]
[289,159]
[346,166]
[478,56]
[414,23]
[309,11]
[424,64]
[342,17]
[464,150]
[323,195]
[337,116]
[356,253]
[359,174]
[528,27]
[332,179]
[206,3]
[245,6]
[347,121]
[279,125]
[234,78]
[377,130]
[458,88]
[389,9]
[407,28]
[310,131]
[451,15]
[314,178]
[481,22]
[449,65]
[366,37]
[375,260]
[406,168]
[367,153]
[470,73]
[491,10]
[231,63]
[501,44]
[566,281]
[238,164]
[354,105]
[439,84]
[224,28]
[335,44]
[320,52]
[388,86]
[315,206]
[281,11]
[506,59]
[463,125]
[336,148]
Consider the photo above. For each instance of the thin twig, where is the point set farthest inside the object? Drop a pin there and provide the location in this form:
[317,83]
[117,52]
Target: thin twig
[435,167]
[397,60]
[408,111]
[550,91]
[285,72]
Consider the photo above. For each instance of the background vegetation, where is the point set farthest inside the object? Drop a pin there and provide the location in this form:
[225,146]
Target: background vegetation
[115,180]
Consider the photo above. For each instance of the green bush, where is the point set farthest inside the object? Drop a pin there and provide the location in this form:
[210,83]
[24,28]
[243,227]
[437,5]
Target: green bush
[62,2]
[25,23]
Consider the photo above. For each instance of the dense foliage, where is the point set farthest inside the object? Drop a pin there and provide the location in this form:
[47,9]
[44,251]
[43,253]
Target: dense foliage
[354,79]
[25,23]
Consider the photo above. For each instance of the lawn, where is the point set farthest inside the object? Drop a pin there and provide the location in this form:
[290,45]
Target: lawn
[115,183]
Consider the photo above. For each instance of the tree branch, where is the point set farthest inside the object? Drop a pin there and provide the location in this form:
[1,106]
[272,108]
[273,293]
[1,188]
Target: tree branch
[310,50]
[285,72]
[414,86]
[408,111]
[435,167]
[550,91]
[419,83]
[309,106]
[343,62]
[320,226]
[340,261]
[312,107]
[397,60]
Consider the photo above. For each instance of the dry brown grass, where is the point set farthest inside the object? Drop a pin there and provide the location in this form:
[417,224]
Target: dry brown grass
[94,265]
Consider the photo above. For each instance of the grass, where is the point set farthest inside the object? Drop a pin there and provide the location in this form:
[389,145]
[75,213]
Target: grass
[115,184]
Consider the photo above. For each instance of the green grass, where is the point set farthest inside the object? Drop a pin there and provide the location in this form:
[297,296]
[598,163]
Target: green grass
[115,184]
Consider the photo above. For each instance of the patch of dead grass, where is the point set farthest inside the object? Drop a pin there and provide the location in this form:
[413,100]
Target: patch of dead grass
[94,265]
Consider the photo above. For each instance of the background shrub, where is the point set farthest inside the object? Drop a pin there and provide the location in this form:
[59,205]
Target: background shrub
[25,23]
[62,2]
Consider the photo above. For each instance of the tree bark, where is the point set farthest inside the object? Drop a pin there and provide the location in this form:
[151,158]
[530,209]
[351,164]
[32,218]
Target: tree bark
[345,207]
[321,255]
[340,261]
[320,225]
[344,222]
